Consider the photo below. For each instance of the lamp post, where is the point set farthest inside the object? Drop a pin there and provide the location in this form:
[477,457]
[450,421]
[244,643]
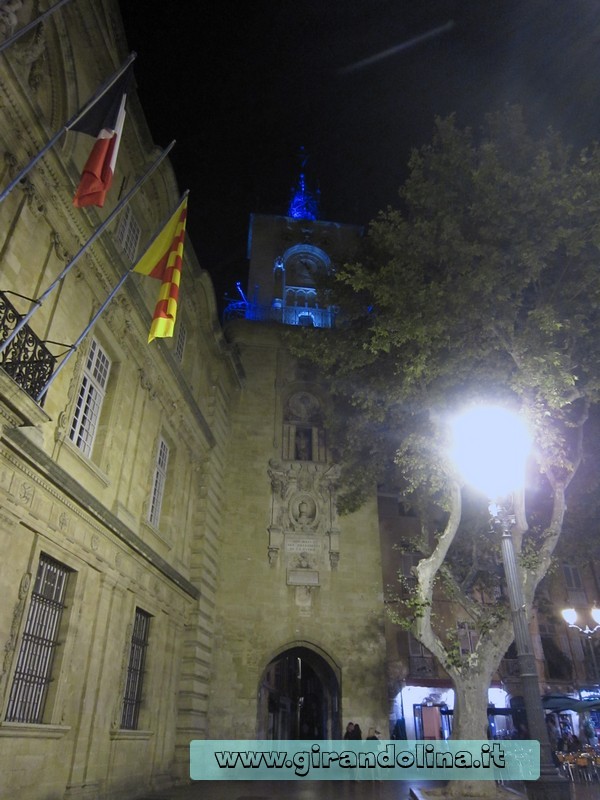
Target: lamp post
[491,447]
[570,617]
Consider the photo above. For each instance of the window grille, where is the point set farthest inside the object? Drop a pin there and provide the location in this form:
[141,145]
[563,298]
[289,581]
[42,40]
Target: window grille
[40,640]
[128,233]
[180,345]
[135,671]
[90,398]
[160,479]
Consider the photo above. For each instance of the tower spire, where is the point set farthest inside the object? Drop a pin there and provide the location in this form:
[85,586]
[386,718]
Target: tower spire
[304,204]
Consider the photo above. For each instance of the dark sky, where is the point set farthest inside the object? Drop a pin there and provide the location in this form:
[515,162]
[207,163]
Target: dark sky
[243,85]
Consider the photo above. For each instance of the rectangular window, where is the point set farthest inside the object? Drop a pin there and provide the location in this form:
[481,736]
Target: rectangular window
[180,345]
[128,233]
[576,594]
[304,443]
[572,576]
[40,640]
[90,398]
[135,671]
[421,662]
[158,486]
[408,561]
[467,638]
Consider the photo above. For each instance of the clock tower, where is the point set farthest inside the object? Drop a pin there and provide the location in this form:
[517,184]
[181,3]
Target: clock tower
[300,598]
[286,254]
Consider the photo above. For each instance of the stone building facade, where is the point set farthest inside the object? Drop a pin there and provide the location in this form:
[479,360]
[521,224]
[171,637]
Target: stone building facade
[173,564]
[112,483]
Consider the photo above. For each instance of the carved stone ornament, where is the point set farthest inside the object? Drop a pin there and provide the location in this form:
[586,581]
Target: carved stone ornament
[59,249]
[303,533]
[8,17]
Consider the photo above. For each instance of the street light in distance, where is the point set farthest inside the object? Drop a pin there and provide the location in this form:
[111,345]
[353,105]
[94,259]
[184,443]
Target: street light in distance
[570,617]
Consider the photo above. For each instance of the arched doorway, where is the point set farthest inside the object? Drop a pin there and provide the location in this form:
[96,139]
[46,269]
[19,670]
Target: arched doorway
[299,696]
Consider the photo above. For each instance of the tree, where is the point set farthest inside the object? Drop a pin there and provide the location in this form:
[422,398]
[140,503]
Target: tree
[482,285]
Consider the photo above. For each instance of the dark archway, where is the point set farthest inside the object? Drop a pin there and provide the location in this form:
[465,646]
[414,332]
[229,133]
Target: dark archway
[299,696]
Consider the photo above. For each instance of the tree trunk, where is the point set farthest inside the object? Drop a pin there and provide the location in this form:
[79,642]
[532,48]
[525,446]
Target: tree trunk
[470,706]
[471,722]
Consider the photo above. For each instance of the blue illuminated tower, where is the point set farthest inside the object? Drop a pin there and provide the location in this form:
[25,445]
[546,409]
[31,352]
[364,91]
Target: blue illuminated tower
[304,204]
[287,254]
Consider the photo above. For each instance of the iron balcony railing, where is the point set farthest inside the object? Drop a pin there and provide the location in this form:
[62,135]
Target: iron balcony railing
[304,316]
[421,667]
[26,359]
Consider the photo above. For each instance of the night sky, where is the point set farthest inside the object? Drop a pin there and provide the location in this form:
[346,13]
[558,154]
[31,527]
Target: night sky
[243,85]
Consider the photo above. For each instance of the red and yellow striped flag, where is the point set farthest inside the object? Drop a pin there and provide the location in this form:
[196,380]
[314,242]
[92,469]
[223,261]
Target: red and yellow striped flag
[163,260]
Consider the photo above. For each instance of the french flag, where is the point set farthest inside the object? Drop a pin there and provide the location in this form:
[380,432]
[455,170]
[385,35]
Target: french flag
[104,120]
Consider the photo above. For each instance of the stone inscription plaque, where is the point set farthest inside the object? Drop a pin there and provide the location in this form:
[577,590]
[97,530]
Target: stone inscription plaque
[302,544]
[302,577]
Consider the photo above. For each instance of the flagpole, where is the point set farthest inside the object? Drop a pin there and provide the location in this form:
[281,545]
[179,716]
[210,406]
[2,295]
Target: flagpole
[113,292]
[30,25]
[37,303]
[93,99]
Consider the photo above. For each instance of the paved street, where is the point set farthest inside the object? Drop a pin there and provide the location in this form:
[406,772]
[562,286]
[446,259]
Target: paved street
[326,790]
[290,790]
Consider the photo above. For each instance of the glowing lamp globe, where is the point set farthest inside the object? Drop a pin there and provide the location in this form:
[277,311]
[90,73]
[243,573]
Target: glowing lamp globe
[569,615]
[490,447]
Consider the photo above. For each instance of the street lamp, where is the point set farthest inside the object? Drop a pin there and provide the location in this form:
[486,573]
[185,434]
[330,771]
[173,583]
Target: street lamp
[490,448]
[570,617]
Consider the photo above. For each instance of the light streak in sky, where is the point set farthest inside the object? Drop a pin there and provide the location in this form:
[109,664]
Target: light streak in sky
[397,48]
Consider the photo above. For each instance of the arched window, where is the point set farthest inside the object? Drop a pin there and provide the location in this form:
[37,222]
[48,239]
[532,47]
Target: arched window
[303,431]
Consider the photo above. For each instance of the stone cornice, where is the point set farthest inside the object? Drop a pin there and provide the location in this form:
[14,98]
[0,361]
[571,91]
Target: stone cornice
[59,477]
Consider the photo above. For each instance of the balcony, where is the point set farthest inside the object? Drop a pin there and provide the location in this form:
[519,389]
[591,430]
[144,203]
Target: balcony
[303,316]
[421,667]
[26,359]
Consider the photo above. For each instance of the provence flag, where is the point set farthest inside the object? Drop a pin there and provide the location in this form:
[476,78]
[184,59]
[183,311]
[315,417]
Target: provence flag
[163,260]
[104,120]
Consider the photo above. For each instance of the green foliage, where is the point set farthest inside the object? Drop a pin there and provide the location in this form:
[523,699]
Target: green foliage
[453,654]
[483,284]
[405,607]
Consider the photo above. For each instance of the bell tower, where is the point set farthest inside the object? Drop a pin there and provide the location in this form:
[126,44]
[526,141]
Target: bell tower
[300,611]
[286,256]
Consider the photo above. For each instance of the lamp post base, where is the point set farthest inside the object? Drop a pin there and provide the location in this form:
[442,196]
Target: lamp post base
[549,787]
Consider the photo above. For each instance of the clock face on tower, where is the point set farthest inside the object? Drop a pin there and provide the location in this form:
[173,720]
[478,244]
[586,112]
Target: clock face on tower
[304,264]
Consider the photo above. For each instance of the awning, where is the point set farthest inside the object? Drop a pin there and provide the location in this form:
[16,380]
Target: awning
[562,702]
